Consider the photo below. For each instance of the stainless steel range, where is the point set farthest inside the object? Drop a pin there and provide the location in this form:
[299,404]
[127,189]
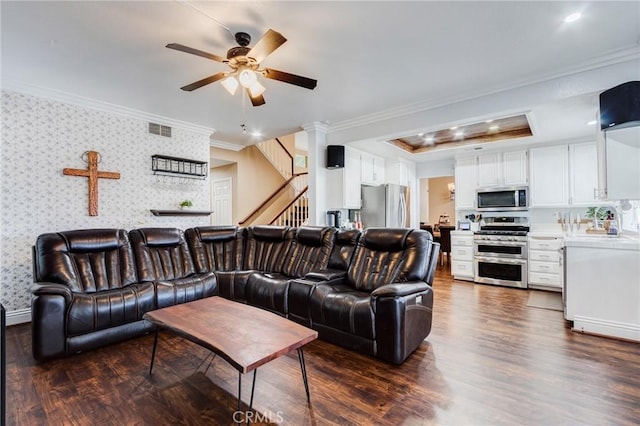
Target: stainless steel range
[500,251]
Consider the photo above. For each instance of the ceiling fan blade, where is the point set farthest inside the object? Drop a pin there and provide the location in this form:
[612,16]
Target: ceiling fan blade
[269,42]
[256,100]
[182,48]
[307,83]
[204,81]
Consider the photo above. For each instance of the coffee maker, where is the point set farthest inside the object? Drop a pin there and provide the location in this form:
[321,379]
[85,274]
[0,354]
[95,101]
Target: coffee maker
[333,218]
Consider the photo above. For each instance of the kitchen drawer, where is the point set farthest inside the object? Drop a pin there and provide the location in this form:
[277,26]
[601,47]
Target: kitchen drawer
[545,267]
[462,253]
[546,256]
[462,269]
[462,240]
[545,243]
[552,280]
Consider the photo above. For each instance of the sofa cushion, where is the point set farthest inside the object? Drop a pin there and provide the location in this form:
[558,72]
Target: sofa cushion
[386,255]
[216,248]
[187,289]
[344,245]
[268,291]
[343,308]
[161,254]
[101,310]
[309,250]
[86,261]
[266,247]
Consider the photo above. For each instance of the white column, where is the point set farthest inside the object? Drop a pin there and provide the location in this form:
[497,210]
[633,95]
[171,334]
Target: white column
[317,139]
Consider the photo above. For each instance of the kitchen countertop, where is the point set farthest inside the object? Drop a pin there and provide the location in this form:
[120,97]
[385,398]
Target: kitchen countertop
[623,242]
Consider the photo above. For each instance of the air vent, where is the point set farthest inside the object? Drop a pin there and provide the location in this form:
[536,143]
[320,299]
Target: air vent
[160,130]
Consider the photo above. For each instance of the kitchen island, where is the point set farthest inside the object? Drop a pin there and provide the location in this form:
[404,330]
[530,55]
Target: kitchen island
[602,293]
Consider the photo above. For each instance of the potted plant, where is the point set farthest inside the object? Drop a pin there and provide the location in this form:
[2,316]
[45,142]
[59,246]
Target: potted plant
[186,204]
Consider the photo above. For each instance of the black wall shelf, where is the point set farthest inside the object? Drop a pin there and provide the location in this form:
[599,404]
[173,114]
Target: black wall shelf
[185,212]
[178,167]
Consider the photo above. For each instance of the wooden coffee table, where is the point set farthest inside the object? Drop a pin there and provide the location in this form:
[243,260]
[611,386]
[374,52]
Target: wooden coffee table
[245,336]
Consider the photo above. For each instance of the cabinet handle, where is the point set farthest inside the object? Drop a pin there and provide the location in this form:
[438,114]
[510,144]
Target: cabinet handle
[543,267]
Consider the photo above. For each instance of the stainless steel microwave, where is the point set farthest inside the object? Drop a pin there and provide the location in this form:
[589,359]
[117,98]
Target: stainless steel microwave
[502,199]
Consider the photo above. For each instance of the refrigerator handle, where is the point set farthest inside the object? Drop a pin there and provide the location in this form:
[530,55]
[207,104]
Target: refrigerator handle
[402,212]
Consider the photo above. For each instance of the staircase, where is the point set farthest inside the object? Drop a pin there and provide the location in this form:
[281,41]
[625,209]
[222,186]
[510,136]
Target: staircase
[292,194]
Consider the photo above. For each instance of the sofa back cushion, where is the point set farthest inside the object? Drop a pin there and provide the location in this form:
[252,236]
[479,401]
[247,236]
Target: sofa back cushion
[386,255]
[161,254]
[87,261]
[216,248]
[310,249]
[344,245]
[266,247]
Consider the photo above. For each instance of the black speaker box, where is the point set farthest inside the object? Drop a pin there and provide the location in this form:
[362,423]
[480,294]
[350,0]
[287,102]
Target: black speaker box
[620,106]
[335,156]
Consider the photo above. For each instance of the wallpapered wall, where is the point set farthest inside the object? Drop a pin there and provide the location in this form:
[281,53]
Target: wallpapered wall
[41,137]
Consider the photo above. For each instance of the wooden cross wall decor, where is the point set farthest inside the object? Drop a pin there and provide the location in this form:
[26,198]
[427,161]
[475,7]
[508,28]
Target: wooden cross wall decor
[93,174]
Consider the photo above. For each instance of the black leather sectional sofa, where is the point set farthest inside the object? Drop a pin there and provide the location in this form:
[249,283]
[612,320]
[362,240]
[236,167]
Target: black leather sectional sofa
[368,291]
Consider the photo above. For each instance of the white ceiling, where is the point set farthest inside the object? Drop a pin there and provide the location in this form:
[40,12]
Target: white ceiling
[367,56]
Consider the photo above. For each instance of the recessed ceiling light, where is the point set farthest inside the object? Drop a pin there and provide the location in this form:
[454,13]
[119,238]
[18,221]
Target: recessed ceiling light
[453,128]
[421,134]
[488,121]
[592,122]
[573,17]
[459,134]
[494,127]
[256,134]
[429,139]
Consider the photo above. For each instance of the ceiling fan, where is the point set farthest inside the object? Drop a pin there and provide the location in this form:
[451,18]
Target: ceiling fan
[245,66]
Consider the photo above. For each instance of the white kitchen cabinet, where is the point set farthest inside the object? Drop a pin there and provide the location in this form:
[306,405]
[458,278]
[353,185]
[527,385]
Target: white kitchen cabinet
[583,174]
[343,185]
[502,169]
[371,169]
[546,269]
[549,173]
[401,172]
[466,179]
[462,255]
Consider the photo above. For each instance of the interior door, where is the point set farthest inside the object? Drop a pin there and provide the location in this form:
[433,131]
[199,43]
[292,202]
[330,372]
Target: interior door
[222,199]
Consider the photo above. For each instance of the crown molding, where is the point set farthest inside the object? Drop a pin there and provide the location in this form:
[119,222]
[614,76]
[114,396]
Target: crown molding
[225,145]
[316,126]
[625,54]
[73,99]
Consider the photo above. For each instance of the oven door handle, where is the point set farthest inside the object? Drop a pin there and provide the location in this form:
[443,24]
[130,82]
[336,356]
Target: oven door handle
[500,260]
[501,243]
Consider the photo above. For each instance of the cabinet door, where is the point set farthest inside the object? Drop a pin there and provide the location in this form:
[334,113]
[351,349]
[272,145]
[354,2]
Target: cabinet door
[378,170]
[515,168]
[352,179]
[549,176]
[583,166]
[489,170]
[466,183]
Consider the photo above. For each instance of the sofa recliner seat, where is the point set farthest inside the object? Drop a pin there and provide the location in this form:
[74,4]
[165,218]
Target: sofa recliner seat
[87,293]
[382,306]
[163,258]
[308,250]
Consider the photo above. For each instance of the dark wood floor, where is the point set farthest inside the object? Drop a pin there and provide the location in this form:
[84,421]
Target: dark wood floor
[489,360]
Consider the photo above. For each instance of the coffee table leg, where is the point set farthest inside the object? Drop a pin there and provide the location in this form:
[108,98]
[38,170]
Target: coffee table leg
[304,373]
[153,352]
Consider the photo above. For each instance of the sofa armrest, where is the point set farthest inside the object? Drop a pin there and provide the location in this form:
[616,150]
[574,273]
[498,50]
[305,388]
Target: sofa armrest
[52,289]
[325,275]
[400,289]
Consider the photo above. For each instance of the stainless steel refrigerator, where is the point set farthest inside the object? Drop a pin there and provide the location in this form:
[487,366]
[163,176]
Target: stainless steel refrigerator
[385,206]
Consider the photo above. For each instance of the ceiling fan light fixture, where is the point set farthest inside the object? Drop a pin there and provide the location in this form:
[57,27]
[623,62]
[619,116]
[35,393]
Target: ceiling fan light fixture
[247,78]
[230,84]
[256,89]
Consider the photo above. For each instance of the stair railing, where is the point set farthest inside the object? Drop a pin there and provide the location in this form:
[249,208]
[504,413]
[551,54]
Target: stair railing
[296,213]
[272,197]
[278,156]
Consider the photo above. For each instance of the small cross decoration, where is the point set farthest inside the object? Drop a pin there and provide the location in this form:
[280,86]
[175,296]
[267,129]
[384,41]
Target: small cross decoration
[92,160]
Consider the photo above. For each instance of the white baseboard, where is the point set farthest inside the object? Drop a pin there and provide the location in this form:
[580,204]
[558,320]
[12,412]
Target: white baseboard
[19,316]
[607,328]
